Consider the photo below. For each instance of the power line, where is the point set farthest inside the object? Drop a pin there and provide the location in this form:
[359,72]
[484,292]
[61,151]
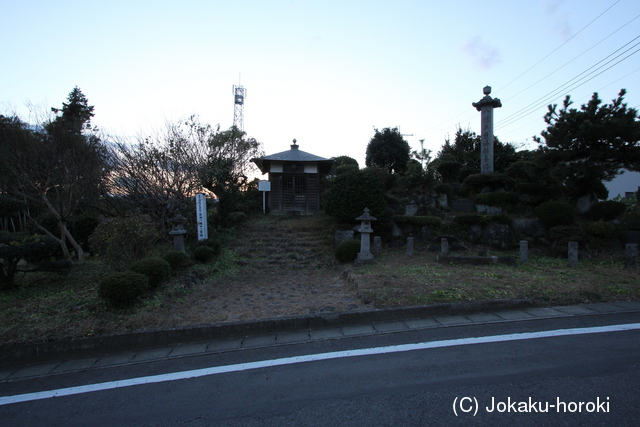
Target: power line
[567,41]
[563,88]
[558,69]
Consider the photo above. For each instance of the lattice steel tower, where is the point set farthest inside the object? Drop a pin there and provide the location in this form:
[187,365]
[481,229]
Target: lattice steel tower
[239,94]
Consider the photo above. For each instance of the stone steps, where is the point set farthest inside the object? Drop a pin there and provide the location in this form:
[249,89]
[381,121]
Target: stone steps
[284,244]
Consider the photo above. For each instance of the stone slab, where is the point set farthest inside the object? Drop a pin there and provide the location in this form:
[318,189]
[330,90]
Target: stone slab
[515,315]
[421,323]
[575,310]
[545,312]
[390,326]
[358,330]
[183,350]
[115,359]
[452,320]
[155,353]
[35,370]
[323,334]
[6,374]
[290,337]
[75,365]
[604,307]
[224,345]
[484,317]
[628,305]
[259,341]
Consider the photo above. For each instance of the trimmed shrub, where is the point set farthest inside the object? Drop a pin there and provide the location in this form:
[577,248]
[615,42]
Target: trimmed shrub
[553,214]
[443,189]
[204,254]
[468,219]
[123,288]
[347,251]
[494,181]
[501,199]
[561,235]
[419,220]
[499,218]
[156,269]
[122,240]
[601,230]
[235,218]
[176,259]
[607,210]
[449,171]
[15,247]
[212,243]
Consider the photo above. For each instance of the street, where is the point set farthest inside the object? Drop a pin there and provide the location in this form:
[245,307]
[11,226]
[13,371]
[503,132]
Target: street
[582,370]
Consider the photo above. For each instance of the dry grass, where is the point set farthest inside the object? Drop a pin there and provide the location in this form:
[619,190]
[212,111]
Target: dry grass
[397,280]
[51,307]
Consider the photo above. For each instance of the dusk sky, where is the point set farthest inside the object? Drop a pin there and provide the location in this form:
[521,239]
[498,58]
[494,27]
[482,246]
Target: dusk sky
[323,72]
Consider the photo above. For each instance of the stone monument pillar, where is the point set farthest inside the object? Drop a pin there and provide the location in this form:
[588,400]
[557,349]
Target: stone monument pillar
[486,106]
[178,232]
[365,236]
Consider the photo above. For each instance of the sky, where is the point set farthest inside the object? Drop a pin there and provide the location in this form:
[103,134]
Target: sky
[327,73]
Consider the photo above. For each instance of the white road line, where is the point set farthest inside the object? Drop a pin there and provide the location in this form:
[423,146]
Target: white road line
[7,400]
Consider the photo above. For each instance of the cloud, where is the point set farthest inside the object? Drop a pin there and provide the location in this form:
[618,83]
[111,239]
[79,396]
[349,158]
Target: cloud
[484,55]
[559,18]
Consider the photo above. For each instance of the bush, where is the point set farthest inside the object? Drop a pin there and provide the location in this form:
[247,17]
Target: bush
[494,181]
[501,199]
[156,269]
[607,210]
[123,288]
[122,240]
[21,246]
[553,214]
[176,259]
[561,235]
[235,218]
[212,243]
[204,254]
[349,193]
[347,251]
[419,220]
[468,219]
[449,171]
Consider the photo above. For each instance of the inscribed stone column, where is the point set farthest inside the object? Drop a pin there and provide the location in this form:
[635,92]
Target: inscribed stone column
[572,254]
[486,106]
[409,246]
[524,251]
[631,256]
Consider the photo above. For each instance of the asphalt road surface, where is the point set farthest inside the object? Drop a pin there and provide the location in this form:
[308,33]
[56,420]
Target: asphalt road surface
[569,371]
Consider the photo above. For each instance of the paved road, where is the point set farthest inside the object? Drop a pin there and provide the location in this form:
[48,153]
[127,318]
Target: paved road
[407,378]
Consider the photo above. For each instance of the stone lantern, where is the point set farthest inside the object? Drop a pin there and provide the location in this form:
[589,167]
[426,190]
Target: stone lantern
[365,235]
[178,232]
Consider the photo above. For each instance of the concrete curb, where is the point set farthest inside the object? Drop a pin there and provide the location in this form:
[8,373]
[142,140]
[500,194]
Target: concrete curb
[86,347]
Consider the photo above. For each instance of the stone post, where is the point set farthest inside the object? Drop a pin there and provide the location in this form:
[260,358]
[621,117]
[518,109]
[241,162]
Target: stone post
[524,251]
[486,106]
[631,256]
[365,236]
[444,247]
[377,246]
[409,246]
[178,232]
[573,254]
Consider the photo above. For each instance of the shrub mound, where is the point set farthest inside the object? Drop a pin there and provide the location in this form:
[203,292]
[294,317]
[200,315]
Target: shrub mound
[212,243]
[347,251]
[176,259]
[121,240]
[502,199]
[419,220]
[204,254]
[607,210]
[156,269]
[553,214]
[123,288]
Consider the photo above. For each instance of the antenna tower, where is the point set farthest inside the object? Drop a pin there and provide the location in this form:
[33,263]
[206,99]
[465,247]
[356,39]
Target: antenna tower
[239,94]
